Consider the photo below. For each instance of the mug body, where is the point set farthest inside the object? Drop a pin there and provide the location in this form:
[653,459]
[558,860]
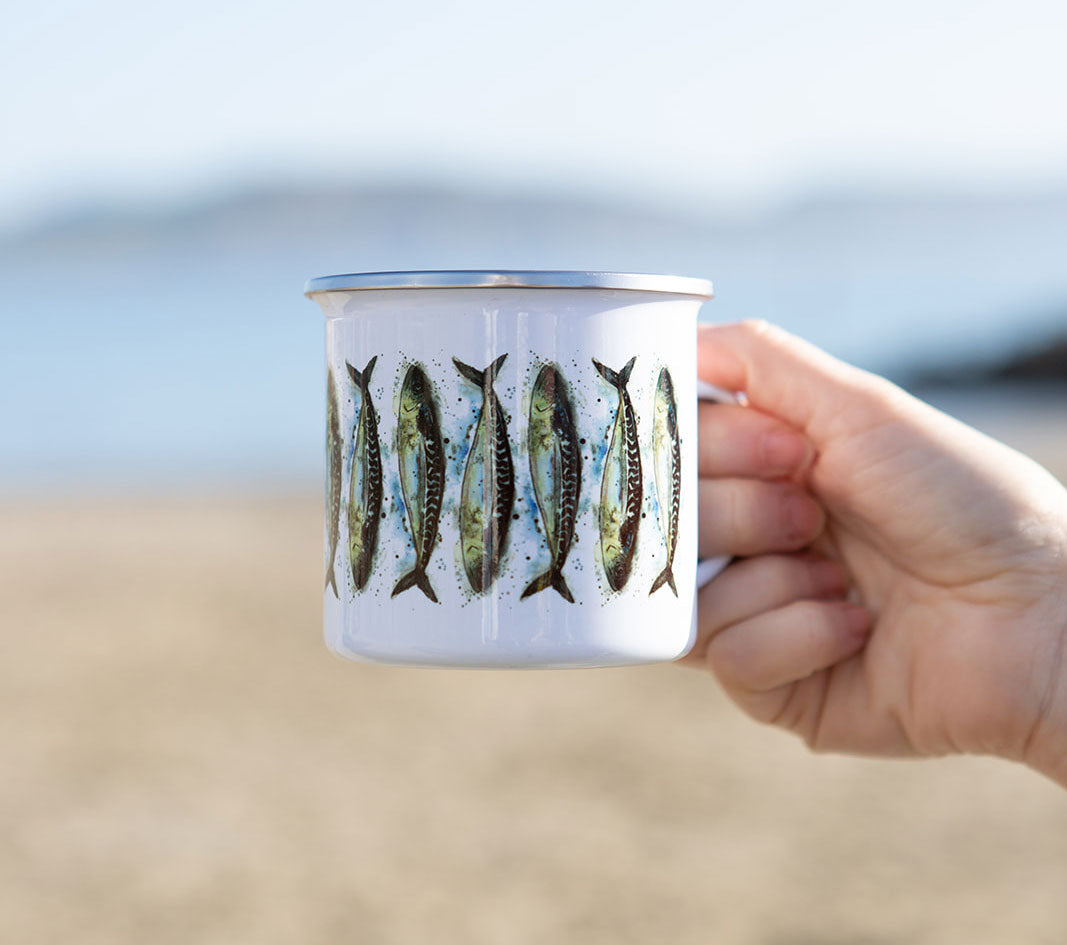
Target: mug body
[511,467]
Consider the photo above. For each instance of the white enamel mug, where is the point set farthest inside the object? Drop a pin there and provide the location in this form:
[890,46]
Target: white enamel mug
[511,472]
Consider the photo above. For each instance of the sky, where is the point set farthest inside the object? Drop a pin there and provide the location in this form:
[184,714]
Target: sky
[684,101]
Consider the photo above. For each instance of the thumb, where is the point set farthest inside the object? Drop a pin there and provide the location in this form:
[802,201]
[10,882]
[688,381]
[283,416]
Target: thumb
[782,375]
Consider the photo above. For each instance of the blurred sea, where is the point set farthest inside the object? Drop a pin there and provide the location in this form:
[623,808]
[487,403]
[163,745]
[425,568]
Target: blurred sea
[143,348]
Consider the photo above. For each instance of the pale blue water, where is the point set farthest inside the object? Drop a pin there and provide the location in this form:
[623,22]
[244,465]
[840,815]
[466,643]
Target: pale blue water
[181,351]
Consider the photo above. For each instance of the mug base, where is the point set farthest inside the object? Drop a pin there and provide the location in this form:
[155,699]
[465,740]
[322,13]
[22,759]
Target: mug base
[538,657]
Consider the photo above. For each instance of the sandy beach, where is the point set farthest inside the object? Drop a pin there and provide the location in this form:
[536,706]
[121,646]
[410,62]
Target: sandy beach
[184,762]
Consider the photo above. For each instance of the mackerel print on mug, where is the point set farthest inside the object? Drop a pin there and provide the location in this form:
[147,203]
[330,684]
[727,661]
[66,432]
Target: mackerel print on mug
[509,474]
[484,493]
[364,481]
[488,492]
[667,455]
[622,487]
[420,455]
[334,459]
[555,473]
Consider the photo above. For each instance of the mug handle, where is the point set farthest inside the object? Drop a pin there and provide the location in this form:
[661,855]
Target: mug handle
[708,568]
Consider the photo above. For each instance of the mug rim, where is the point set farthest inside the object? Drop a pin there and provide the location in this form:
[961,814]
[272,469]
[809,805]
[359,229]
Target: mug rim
[510,279]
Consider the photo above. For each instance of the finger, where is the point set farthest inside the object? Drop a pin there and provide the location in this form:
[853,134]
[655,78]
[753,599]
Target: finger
[786,645]
[757,585]
[789,378]
[742,517]
[741,441]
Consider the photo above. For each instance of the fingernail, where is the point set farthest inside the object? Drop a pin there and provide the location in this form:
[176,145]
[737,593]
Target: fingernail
[785,452]
[804,518]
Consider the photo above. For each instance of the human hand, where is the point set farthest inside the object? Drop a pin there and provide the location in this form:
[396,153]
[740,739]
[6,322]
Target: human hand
[955,550]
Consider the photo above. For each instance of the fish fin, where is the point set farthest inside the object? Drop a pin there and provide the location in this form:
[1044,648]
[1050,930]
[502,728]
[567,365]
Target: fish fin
[481,378]
[423,580]
[624,374]
[666,576]
[561,586]
[365,373]
[549,579]
[357,377]
[473,375]
[538,584]
[607,373]
[331,581]
[494,368]
[416,577]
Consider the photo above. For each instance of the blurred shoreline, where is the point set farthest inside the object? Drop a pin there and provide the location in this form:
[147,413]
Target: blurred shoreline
[164,343]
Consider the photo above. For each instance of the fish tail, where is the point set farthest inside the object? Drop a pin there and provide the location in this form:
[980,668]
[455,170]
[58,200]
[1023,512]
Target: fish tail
[615,378]
[561,586]
[666,576]
[494,368]
[473,375]
[484,378]
[361,378]
[551,578]
[537,585]
[416,577]
[607,373]
[331,581]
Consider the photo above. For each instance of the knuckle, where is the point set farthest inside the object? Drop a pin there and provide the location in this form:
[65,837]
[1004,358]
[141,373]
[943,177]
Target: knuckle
[739,665]
[737,513]
[787,574]
[762,330]
[755,329]
[728,659]
[810,618]
[790,712]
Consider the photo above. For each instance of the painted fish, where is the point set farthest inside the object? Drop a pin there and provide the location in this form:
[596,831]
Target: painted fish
[667,455]
[364,481]
[488,493]
[334,459]
[556,471]
[421,458]
[621,487]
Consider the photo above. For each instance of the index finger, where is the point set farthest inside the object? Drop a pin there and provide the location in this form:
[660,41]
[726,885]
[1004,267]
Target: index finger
[787,377]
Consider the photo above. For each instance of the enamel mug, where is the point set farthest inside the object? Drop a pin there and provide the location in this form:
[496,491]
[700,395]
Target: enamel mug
[511,467]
